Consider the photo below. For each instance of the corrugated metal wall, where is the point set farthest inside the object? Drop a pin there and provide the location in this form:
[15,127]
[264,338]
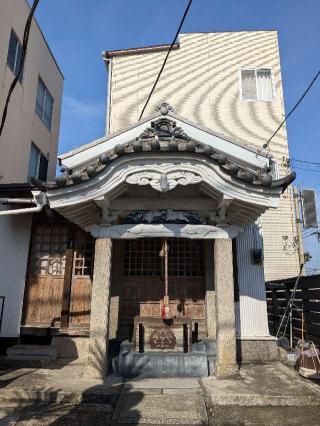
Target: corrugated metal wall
[201,81]
[14,246]
[251,310]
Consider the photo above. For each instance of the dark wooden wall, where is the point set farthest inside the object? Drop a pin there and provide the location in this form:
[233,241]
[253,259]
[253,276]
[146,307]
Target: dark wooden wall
[307,301]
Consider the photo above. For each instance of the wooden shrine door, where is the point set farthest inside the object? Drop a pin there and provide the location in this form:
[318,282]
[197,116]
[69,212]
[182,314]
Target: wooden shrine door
[57,272]
[142,287]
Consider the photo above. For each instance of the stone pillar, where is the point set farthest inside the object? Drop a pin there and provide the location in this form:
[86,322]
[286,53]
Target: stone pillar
[210,299]
[97,363]
[226,365]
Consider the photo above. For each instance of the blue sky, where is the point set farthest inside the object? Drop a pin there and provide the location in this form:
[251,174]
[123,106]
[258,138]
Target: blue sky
[79,30]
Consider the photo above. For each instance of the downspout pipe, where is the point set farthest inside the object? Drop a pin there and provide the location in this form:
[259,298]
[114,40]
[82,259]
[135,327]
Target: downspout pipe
[16,201]
[39,198]
[108,63]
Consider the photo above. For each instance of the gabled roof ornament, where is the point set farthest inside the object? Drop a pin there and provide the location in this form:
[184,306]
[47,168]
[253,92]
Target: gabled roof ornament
[164,108]
[164,129]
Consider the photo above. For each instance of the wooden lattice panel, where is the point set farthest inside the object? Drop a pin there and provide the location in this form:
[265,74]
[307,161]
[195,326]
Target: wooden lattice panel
[141,258]
[48,253]
[83,254]
[142,287]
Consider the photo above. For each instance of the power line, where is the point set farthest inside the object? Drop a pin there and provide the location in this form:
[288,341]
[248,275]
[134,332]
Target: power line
[307,170]
[23,57]
[266,145]
[166,58]
[305,161]
[305,124]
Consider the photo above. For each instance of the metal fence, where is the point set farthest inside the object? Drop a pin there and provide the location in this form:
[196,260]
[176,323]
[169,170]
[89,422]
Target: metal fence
[306,308]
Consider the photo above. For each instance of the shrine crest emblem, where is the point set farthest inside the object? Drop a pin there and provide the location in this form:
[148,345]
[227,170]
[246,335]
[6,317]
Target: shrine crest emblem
[162,338]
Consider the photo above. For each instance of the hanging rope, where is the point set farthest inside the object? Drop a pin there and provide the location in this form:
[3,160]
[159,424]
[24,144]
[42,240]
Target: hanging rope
[165,312]
[166,289]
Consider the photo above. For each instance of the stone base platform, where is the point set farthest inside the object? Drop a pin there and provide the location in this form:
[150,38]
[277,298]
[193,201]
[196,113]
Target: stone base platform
[257,350]
[197,364]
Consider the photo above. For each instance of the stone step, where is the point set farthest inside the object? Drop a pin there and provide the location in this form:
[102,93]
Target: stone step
[211,364]
[198,347]
[26,361]
[33,351]
[211,346]
[160,364]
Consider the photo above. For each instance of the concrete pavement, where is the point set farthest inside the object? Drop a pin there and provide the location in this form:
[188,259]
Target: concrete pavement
[269,394]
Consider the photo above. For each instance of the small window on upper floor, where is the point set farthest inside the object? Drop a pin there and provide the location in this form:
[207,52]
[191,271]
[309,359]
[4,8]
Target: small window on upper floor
[38,164]
[44,104]
[257,84]
[274,169]
[15,55]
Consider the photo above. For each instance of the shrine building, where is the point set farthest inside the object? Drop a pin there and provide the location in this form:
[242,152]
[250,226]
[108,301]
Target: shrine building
[149,252]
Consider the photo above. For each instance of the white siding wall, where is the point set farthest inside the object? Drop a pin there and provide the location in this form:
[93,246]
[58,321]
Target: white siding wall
[251,310]
[201,81]
[14,246]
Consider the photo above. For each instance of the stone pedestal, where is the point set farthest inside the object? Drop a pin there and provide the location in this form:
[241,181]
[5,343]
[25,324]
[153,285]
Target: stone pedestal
[97,362]
[226,365]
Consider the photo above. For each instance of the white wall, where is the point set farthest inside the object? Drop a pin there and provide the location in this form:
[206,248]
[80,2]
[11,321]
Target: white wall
[14,246]
[251,310]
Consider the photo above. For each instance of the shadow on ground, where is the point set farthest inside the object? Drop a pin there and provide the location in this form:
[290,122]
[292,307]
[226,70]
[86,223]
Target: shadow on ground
[53,398]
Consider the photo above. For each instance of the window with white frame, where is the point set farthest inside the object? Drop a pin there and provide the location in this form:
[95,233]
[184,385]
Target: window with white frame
[44,104]
[274,169]
[38,164]
[257,84]
[15,55]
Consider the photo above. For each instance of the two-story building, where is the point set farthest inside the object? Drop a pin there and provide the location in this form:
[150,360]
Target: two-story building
[28,146]
[160,234]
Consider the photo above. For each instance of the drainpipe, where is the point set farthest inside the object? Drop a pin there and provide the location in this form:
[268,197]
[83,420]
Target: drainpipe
[39,198]
[16,201]
[108,62]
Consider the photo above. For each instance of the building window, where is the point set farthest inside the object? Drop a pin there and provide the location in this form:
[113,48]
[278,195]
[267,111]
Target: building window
[274,169]
[15,55]
[44,104]
[257,84]
[38,164]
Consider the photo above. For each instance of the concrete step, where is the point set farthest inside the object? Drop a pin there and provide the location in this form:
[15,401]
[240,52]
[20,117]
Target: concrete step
[25,361]
[30,356]
[211,346]
[33,351]
[198,347]
[56,396]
